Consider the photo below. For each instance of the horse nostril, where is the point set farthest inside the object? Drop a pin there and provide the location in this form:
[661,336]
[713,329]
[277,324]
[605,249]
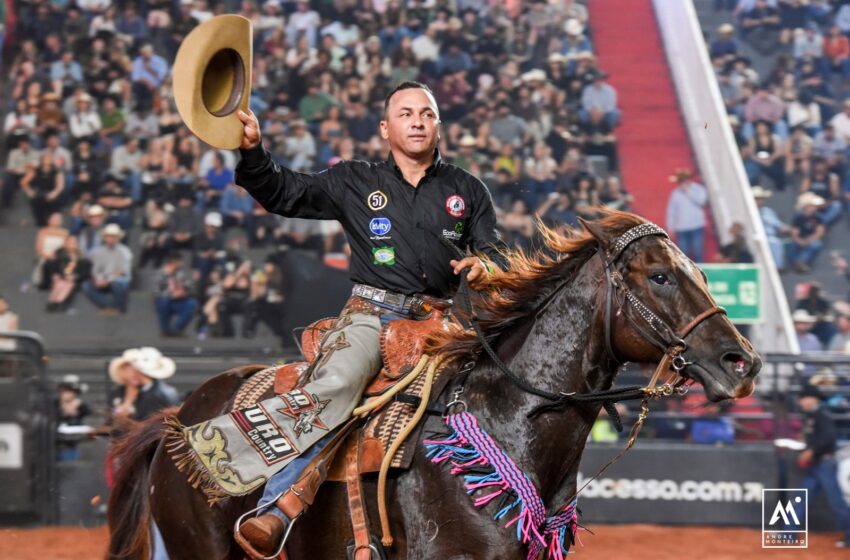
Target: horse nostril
[738,363]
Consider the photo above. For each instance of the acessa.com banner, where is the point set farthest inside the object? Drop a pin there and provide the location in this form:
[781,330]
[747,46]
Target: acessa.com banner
[677,484]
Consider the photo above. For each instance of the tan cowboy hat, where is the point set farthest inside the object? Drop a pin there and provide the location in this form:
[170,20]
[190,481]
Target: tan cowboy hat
[212,79]
[761,192]
[726,28]
[573,27]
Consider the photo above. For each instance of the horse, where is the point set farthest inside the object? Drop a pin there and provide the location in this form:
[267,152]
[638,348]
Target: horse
[567,317]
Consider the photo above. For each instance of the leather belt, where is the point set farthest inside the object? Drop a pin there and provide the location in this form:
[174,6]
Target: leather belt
[415,304]
[386,297]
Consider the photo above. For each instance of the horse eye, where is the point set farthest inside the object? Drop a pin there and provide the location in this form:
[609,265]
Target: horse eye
[660,279]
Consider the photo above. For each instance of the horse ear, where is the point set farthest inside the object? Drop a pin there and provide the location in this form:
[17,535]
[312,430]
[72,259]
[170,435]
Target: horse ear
[602,235]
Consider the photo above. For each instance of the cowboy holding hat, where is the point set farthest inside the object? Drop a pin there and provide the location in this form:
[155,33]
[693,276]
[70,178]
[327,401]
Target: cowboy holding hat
[141,374]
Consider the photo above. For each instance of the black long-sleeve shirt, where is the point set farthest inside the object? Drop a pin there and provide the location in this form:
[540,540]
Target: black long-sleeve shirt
[820,432]
[393,227]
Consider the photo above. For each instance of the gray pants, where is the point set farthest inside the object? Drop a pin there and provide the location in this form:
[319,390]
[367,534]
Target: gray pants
[350,358]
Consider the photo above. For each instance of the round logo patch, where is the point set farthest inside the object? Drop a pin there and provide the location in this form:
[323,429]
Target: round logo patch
[455,206]
[376,200]
[380,226]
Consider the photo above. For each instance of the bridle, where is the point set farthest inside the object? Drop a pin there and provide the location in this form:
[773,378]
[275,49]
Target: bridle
[652,328]
[659,333]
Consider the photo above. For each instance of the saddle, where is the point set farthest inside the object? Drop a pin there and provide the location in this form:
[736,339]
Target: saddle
[363,446]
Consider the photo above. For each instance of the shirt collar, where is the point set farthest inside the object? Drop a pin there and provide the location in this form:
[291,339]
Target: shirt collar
[435,165]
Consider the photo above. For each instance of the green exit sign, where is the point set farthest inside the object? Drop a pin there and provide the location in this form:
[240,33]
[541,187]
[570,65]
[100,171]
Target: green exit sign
[737,287]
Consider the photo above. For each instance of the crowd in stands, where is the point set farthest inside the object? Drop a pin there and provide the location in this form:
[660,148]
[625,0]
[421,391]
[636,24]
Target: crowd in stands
[97,150]
[792,126]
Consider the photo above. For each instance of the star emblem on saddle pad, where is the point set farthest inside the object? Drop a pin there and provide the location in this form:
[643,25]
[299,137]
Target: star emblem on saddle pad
[304,408]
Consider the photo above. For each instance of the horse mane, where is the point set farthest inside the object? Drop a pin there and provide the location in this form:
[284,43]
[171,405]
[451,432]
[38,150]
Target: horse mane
[514,293]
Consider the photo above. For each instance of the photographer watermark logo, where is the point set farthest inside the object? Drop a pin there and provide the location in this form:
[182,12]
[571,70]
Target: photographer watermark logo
[784,518]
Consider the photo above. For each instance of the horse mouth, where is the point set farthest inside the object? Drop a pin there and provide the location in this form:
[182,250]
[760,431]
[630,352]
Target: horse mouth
[721,386]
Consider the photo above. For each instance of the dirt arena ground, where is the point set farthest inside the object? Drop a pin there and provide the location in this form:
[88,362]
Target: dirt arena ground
[610,542]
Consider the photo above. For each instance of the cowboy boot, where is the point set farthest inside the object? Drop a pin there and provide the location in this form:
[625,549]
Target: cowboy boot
[263,533]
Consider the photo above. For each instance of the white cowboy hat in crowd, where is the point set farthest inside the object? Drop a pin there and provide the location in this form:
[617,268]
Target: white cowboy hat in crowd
[803,316]
[213,219]
[761,192]
[535,75]
[212,79]
[809,198]
[573,27]
[147,360]
[112,229]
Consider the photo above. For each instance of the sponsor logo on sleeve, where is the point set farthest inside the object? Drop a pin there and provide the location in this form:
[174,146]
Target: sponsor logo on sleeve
[455,206]
[383,256]
[376,201]
[380,227]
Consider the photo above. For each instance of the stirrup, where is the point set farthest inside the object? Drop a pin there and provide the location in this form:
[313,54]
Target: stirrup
[285,536]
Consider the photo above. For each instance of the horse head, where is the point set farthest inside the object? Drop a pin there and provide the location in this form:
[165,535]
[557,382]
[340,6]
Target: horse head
[659,303]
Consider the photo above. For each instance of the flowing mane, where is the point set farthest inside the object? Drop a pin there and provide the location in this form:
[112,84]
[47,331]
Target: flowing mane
[514,293]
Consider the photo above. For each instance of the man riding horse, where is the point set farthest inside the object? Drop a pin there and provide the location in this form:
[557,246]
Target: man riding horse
[394,213]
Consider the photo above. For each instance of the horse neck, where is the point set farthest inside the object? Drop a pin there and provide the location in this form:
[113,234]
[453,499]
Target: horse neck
[563,351]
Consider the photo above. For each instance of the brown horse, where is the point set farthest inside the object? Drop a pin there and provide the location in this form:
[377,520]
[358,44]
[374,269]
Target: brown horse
[551,318]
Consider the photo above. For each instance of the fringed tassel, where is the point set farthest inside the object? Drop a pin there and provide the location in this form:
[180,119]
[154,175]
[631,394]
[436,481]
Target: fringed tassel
[187,462]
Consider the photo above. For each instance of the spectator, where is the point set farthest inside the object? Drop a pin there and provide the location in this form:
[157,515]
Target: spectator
[760,26]
[300,149]
[601,96]
[686,213]
[840,341]
[111,273]
[836,50]
[841,122]
[148,72]
[125,166]
[774,228]
[831,148]
[613,196]
[49,239]
[827,186]
[736,251]
[87,173]
[798,152]
[20,161]
[116,203]
[90,233]
[803,322]
[266,300]
[140,374]
[793,14]
[303,22]
[766,156]
[818,459]
[508,128]
[84,123]
[765,107]
[557,210]
[807,231]
[208,245]
[724,48]
[43,185]
[71,411]
[66,272]
[818,307]
[175,305]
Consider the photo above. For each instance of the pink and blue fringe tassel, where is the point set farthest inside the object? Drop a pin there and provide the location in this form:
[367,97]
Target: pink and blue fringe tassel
[485,466]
